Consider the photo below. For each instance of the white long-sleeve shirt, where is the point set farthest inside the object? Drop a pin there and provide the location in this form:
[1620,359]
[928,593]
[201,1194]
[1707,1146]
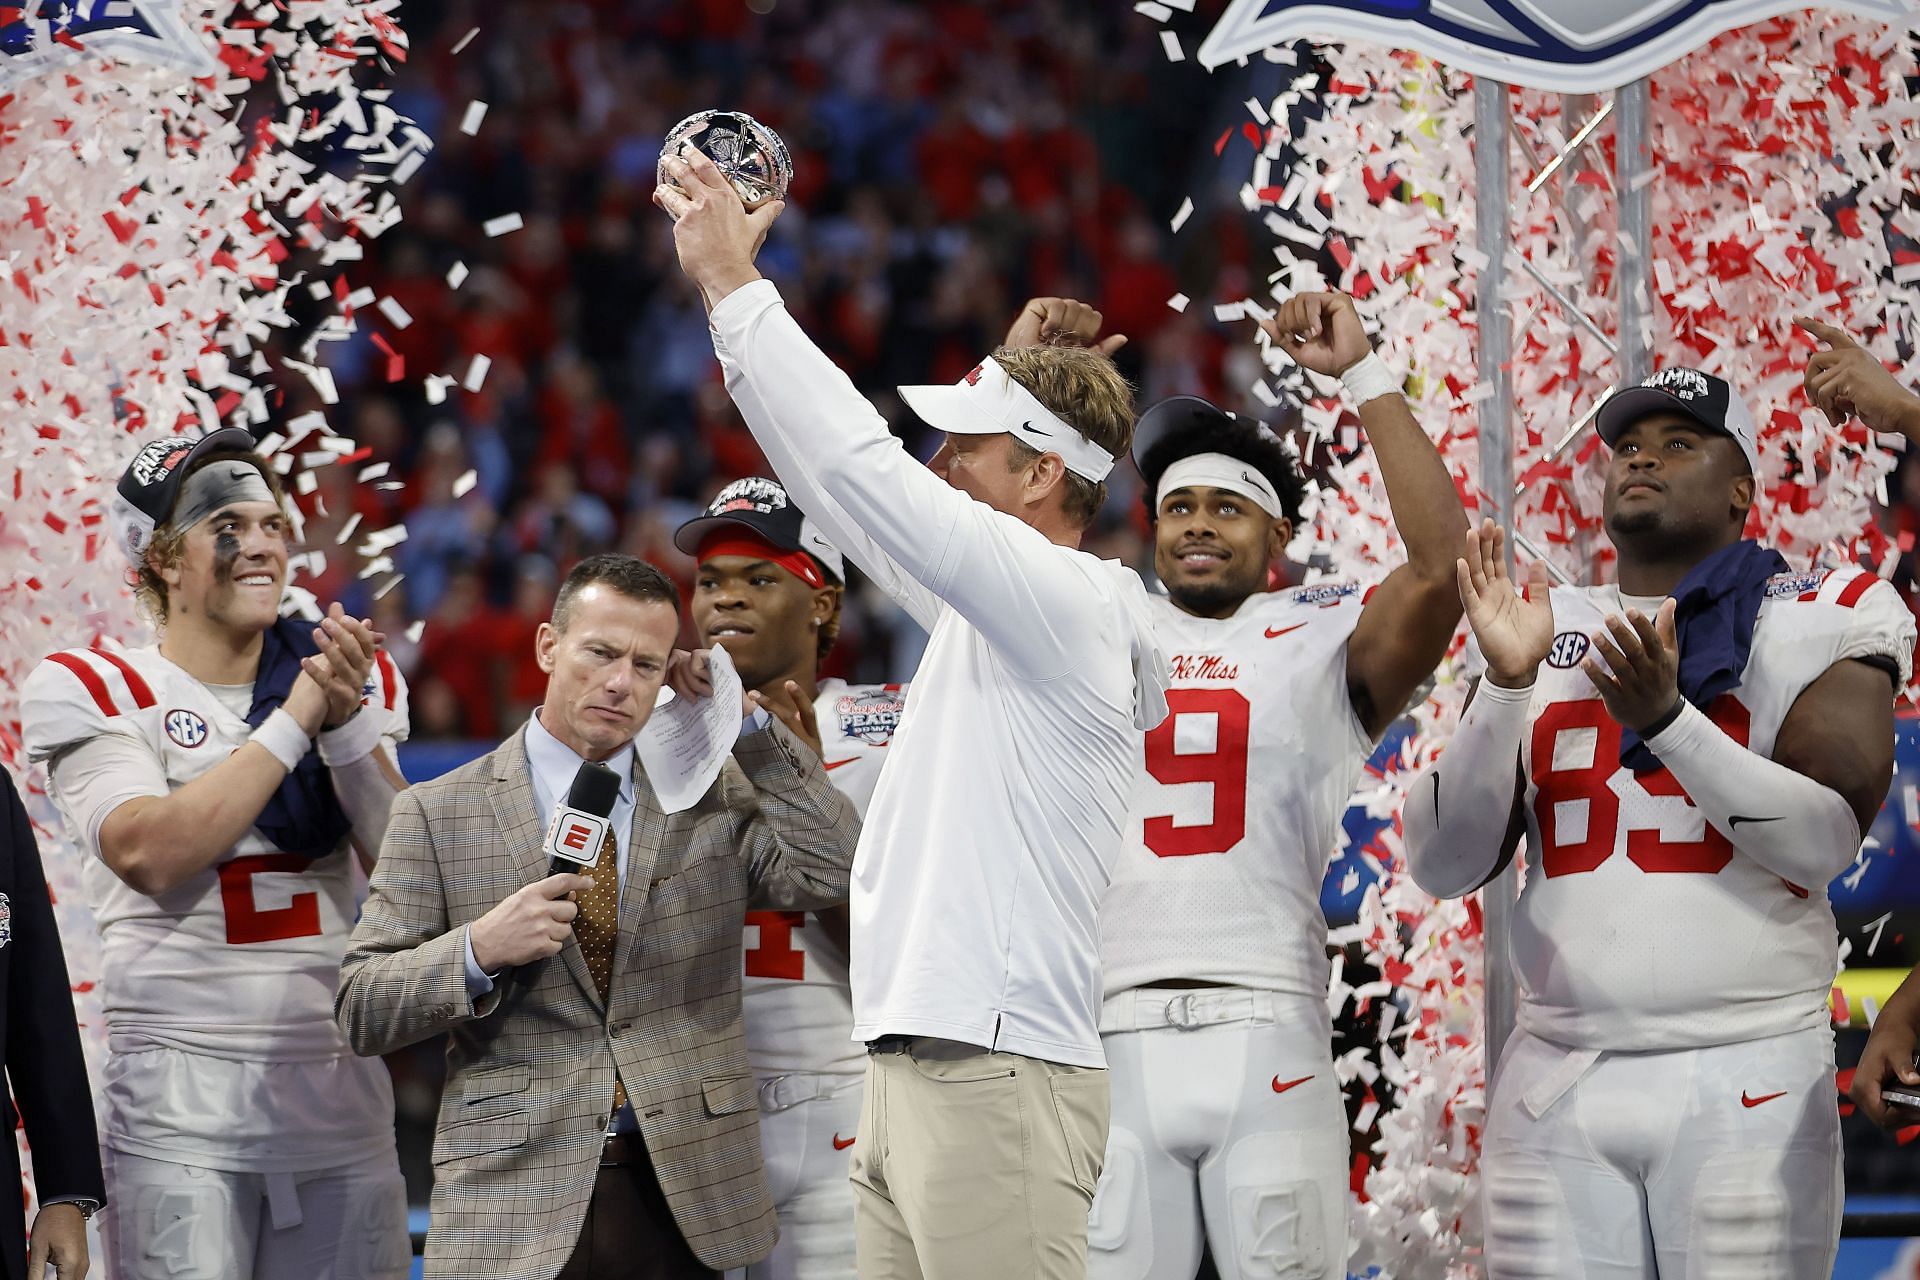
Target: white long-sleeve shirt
[998,816]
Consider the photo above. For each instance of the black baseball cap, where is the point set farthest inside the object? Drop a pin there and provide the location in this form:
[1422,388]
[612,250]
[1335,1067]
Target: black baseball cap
[144,498]
[1708,400]
[762,507]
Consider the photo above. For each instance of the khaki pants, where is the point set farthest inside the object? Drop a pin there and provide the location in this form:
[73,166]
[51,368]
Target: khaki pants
[973,1164]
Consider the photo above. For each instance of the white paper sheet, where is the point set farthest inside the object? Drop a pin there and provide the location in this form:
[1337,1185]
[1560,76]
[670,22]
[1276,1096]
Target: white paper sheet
[686,741]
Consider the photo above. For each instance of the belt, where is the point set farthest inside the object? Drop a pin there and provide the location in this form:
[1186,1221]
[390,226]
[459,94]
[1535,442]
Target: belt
[890,1044]
[623,1149]
[778,1093]
[1147,1008]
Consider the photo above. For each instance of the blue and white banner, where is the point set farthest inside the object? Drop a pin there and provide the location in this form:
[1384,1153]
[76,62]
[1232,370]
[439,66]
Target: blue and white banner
[1574,46]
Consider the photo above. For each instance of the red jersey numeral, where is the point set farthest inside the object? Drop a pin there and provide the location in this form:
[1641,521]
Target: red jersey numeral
[1589,784]
[247,923]
[1224,768]
[775,956]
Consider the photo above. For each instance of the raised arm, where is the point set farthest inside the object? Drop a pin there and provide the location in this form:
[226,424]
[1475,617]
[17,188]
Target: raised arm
[841,529]
[1031,605]
[1463,817]
[1409,619]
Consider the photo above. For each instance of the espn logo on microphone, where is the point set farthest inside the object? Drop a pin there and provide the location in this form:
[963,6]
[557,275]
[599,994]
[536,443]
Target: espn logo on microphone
[576,836]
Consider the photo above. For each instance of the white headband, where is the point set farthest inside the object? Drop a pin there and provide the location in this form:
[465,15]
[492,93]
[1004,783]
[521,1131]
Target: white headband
[989,402]
[1218,471]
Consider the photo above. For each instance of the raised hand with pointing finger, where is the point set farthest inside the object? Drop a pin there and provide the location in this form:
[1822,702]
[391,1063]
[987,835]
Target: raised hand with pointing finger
[1847,381]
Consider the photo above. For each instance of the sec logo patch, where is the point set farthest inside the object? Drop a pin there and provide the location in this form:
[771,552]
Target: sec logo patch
[1568,648]
[186,728]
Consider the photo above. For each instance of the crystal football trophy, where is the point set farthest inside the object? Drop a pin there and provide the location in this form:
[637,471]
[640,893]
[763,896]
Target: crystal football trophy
[751,155]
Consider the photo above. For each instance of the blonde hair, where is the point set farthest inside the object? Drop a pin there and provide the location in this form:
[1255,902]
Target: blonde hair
[1086,392]
[164,548]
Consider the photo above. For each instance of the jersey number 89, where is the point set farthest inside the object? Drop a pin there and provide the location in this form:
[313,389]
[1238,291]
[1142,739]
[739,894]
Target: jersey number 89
[1592,784]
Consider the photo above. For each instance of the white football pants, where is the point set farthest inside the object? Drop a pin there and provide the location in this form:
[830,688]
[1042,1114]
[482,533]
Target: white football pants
[807,1128]
[179,1222]
[1720,1163]
[1228,1128]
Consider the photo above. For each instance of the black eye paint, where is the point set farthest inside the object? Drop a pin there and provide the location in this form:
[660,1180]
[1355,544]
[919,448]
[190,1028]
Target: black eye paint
[226,549]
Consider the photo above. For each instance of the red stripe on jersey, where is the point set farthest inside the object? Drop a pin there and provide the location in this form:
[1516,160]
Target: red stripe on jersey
[1369,595]
[91,679]
[1850,596]
[142,695]
[387,676]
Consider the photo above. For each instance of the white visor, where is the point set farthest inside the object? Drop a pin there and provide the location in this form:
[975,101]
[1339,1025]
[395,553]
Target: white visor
[988,402]
[1218,471]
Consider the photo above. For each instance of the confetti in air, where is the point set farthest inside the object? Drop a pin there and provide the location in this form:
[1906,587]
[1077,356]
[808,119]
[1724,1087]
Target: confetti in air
[1778,173]
[174,175]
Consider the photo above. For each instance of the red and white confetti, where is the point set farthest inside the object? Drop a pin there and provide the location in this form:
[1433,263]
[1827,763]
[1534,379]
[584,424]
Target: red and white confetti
[1780,160]
[156,212]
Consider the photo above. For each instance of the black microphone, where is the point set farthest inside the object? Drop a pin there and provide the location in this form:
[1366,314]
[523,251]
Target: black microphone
[580,824]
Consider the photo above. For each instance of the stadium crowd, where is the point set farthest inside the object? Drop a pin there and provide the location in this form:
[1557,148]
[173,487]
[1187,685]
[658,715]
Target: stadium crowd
[951,159]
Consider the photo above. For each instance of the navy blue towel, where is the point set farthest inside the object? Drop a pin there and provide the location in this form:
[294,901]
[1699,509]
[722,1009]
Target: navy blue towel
[304,816]
[1715,608]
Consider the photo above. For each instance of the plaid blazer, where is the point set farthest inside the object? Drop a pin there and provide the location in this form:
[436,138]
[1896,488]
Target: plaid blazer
[530,1067]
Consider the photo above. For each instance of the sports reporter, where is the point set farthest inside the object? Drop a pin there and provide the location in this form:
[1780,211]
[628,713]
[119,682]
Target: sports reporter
[599,1115]
[998,816]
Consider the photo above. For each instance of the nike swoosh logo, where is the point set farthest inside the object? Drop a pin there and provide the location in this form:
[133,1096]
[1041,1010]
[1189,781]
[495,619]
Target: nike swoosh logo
[835,764]
[841,1144]
[1028,426]
[1745,1101]
[1735,819]
[1281,1086]
[1275,634]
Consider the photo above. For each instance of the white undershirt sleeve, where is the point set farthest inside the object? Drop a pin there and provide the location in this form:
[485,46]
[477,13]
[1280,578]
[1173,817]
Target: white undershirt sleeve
[1800,830]
[366,794]
[1032,606]
[1457,813]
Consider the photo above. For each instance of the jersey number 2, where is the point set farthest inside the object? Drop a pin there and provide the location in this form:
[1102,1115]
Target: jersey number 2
[300,918]
[1590,783]
[1224,767]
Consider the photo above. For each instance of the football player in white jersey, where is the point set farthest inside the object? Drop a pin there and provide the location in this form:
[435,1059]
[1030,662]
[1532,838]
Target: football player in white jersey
[768,590]
[1229,1126]
[1693,755]
[218,783]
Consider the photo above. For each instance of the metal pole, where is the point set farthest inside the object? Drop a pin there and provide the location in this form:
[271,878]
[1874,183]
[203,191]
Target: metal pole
[1492,232]
[1633,163]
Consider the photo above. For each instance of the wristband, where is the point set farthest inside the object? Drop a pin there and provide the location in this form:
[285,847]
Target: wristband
[1368,378]
[351,741]
[1490,690]
[283,738]
[1665,722]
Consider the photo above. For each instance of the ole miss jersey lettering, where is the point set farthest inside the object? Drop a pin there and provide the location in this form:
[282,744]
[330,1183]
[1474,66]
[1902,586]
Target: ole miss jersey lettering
[1640,925]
